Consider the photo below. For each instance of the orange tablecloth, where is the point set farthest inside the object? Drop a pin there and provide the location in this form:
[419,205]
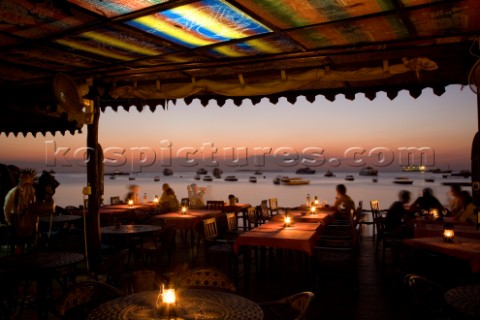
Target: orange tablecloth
[436,230]
[238,207]
[462,248]
[319,217]
[189,220]
[300,236]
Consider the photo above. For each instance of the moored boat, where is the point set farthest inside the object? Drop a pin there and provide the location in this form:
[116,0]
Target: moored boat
[329,174]
[156,178]
[349,177]
[305,170]
[196,177]
[202,171]
[294,181]
[402,180]
[368,171]
[231,178]
[277,180]
[207,178]
[132,176]
[167,172]
[252,179]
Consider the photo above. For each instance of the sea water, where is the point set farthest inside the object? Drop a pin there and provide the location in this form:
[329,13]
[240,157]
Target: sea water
[363,188]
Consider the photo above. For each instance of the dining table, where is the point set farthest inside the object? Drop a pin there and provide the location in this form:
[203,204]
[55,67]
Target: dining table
[467,249]
[41,267]
[130,235]
[465,300]
[240,210]
[299,236]
[188,223]
[189,304]
[306,216]
[431,230]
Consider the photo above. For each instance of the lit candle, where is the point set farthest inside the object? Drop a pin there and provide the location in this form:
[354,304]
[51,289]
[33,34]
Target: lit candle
[184,210]
[288,221]
[169,296]
[434,213]
[448,233]
[315,201]
[130,203]
[156,200]
[312,210]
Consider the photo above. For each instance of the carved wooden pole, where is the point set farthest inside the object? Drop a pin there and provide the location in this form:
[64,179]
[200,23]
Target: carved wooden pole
[94,180]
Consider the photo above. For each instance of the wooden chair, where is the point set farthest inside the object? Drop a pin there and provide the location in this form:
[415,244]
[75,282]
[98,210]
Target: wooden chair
[264,212]
[252,218]
[215,205]
[273,206]
[115,200]
[291,307]
[426,296]
[80,299]
[218,250]
[205,278]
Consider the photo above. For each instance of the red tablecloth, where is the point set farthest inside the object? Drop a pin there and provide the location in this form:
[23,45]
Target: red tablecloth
[300,236]
[463,248]
[436,230]
[189,220]
[297,215]
[238,207]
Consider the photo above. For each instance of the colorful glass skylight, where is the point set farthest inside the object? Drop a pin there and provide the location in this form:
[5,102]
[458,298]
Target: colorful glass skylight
[113,8]
[200,24]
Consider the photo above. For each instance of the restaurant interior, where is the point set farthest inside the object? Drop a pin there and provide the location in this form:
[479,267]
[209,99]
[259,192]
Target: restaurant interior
[62,63]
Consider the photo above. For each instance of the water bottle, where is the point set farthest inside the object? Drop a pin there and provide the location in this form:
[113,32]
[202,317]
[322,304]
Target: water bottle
[307,200]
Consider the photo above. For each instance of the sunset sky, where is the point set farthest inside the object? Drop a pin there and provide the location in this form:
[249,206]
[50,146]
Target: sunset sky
[445,125]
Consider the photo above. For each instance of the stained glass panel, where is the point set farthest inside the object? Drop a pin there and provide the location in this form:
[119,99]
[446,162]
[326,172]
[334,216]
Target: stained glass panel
[199,24]
[296,13]
[267,45]
[451,18]
[115,8]
[35,19]
[354,32]
[113,44]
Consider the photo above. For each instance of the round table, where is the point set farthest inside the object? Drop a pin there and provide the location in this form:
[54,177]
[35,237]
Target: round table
[40,266]
[191,304]
[130,229]
[465,299]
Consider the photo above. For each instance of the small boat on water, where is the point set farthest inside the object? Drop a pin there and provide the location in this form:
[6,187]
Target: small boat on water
[167,172]
[231,178]
[432,179]
[368,171]
[277,180]
[374,179]
[294,181]
[305,170]
[132,176]
[202,171]
[207,178]
[112,177]
[196,177]
[329,174]
[258,172]
[156,178]
[402,180]
[217,173]
[252,179]
[349,177]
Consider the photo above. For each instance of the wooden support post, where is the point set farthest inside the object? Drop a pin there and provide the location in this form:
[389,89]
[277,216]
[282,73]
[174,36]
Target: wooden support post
[93,179]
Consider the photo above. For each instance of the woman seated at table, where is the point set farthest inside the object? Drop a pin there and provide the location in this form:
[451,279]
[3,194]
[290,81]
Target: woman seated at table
[343,203]
[467,214]
[170,202]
